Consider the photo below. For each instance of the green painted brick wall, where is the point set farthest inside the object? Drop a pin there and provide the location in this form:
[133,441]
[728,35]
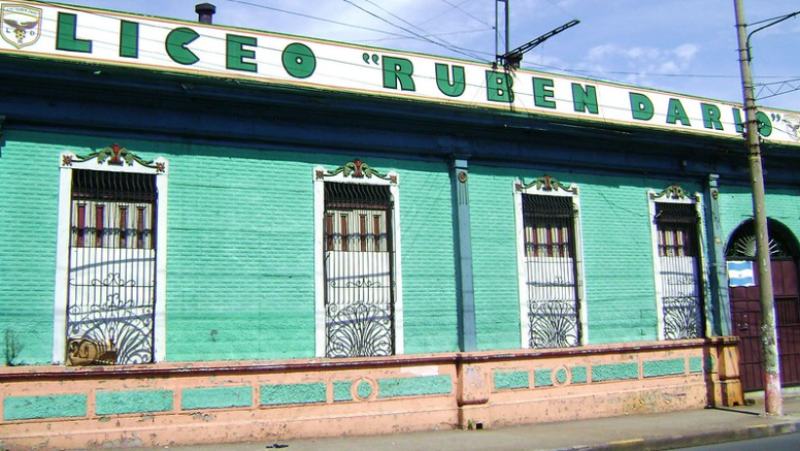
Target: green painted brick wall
[494,258]
[615,371]
[414,386]
[121,402]
[543,378]
[216,397]
[618,256]
[53,406]
[664,367]
[696,364]
[292,393]
[28,217]
[341,390]
[578,374]
[509,380]
[736,207]
[240,258]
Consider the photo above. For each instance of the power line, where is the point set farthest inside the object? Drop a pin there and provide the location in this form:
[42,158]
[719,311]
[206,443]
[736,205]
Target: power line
[766,20]
[442,13]
[449,33]
[465,12]
[420,36]
[465,51]
[321,19]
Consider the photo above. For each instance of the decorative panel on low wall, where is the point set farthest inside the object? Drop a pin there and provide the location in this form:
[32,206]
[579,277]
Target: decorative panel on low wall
[167,404]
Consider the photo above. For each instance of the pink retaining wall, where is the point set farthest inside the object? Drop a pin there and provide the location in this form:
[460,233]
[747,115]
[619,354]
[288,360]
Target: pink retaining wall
[173,403]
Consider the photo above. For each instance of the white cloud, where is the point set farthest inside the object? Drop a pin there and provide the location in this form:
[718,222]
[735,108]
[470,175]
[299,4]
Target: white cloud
[686,51]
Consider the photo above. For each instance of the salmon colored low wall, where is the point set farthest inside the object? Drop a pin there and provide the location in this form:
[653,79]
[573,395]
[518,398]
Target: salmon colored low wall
[177,403]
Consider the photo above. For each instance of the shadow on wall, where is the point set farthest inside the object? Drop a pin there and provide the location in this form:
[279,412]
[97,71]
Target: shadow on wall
[12,348]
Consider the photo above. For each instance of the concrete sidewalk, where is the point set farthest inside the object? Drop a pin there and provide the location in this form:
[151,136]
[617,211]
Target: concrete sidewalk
[655,431]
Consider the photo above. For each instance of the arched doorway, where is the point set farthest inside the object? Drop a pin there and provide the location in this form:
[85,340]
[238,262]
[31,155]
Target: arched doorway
[746,309]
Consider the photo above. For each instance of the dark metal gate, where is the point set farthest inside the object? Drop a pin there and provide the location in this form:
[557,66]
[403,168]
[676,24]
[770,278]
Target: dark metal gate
[550,268]
[112,268]
[679,270]
[746,308]
[359,270]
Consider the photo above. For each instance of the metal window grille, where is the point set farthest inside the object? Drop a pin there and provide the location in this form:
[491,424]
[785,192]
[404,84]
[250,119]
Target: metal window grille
[359,270]
[550,271]
[112,268]
[678,254]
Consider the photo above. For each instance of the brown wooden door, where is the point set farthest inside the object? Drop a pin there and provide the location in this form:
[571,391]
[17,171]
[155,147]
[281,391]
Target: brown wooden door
[746,313]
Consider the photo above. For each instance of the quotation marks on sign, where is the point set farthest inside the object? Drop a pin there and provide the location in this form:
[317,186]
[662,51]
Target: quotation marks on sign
[374,57]
[792,124]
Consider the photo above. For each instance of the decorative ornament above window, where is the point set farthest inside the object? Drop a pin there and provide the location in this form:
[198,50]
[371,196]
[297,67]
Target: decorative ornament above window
[114,155]
[357,169]
[546,183]
[672,192]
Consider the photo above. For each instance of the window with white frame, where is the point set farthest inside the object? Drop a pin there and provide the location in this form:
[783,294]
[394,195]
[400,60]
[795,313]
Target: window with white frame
[359,296]
[549,264]
[111,257]
[677,261]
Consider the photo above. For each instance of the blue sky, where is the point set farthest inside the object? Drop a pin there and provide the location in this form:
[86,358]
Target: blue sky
[687,46]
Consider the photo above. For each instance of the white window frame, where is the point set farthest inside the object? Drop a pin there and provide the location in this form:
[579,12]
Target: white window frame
[674,194]
[69,161]
[549,188]
[320,176]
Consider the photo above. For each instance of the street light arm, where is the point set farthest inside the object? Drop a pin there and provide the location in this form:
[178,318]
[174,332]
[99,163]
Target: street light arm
[774,22]
[513,57]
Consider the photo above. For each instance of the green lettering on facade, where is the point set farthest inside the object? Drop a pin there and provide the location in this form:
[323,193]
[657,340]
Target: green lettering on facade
[451,87]
[764,124]
[176,43]
[676,113]
[65,35]
[398,70]
[737,120]
[543,93]
[298,60]
[128,39]
[641,107]
[584,99]
[711,116]
[499,87]
[235,53]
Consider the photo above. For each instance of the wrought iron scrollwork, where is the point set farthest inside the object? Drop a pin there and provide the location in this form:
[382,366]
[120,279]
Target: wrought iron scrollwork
[361,283]
[553,324]
[118,327]
[359,330]
[682,317]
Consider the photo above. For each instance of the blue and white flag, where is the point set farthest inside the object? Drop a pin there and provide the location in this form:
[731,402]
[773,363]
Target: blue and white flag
[740,274]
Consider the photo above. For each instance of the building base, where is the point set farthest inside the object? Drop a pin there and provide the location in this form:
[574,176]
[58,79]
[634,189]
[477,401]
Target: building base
[172,404]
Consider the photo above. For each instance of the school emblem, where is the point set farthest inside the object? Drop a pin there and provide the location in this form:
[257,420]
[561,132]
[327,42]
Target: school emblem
[21,24]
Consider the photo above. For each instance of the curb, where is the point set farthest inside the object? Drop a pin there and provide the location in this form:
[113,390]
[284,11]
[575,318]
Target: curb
[700,439]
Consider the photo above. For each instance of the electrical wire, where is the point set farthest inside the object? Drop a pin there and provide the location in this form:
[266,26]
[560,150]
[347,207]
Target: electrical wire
[770,19]
[458,7]
[449,33]
[308,16]
[383,19]
[442,13]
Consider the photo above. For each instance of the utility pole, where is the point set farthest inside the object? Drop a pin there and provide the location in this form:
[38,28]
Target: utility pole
[508,30]
[773,400]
